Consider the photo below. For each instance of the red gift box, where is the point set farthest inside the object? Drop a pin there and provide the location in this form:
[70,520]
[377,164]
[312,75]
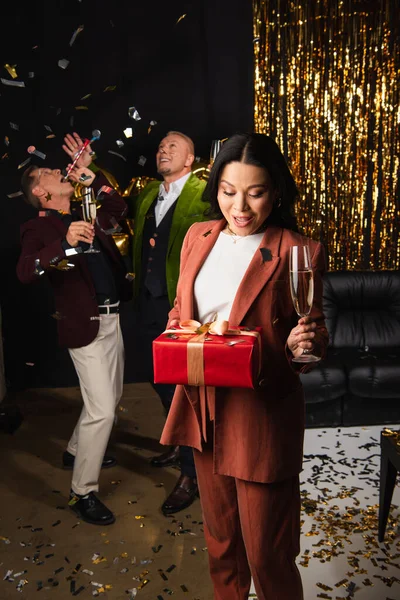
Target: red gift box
[200,358]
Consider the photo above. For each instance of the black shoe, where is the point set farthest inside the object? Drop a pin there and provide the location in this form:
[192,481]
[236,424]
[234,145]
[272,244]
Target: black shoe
[90,509]
[68,460]
[166,459]
[182,496]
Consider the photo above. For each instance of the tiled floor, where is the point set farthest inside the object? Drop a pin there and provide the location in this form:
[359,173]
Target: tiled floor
[339,545]
[51,554]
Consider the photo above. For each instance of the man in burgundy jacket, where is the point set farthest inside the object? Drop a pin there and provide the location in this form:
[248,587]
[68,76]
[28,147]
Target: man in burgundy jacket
[87,290]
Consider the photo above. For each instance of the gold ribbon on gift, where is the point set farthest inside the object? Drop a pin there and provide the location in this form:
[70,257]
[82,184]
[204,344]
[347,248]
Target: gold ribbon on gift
[195,346]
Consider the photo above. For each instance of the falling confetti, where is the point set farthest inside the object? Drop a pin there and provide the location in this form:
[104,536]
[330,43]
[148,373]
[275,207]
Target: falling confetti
[11,70]
[63,63]
[75,34]
[12,82]
[133,114]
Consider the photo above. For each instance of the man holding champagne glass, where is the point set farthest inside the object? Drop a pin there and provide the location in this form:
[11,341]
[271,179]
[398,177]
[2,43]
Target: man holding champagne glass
[88,277]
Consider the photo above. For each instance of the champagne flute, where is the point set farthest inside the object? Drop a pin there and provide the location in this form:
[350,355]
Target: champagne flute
[215,148]
[89,211]
[302,290]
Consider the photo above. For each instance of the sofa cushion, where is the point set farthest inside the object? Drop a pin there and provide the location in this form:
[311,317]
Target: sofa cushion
[375,374]
[327,381]
[362,308]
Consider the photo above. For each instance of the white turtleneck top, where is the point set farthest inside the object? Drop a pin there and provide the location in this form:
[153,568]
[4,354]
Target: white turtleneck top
[219,278]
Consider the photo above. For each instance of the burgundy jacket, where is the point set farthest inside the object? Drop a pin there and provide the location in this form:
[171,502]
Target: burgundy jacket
[75,297]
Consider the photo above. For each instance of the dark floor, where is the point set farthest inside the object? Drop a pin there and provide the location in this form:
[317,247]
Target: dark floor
[39,534]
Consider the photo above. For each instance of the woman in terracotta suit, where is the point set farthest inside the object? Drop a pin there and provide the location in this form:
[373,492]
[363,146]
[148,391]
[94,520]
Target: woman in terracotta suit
[248,443]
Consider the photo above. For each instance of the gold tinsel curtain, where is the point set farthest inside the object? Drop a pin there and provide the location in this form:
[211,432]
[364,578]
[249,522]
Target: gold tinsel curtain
[327,90]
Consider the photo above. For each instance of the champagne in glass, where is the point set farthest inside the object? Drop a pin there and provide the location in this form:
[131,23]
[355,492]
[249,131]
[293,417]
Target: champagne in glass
[215,148]
[302,290]
[89,211]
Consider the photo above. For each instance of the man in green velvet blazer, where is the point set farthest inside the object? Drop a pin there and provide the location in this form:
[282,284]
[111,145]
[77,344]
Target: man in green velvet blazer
[164,211]
[189,209]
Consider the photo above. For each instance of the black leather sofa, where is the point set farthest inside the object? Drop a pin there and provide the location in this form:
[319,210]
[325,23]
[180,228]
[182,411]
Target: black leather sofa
[358,383]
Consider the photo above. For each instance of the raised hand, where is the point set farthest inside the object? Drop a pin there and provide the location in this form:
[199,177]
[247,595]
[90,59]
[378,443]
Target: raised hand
[72,144]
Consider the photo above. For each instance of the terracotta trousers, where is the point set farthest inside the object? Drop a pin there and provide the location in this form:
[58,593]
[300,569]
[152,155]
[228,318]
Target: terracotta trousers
[252,530]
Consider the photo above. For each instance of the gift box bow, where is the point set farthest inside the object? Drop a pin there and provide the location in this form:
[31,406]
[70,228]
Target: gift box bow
[198,333]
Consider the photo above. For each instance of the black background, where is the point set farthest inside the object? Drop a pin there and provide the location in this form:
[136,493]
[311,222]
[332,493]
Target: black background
[195,76]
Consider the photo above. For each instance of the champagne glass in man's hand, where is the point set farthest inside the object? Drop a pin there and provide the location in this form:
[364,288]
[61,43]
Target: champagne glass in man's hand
[302,290]
[89,211]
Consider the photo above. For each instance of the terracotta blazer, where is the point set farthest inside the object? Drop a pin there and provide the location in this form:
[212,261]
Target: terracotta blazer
[258,434]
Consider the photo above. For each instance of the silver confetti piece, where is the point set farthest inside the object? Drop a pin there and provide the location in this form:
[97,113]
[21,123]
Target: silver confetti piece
[119,143]
[12,82]
[116,154]
[14,126]
[128,132]
[63,63]
[15,194]
[133,113]
[142,160]
[38,154]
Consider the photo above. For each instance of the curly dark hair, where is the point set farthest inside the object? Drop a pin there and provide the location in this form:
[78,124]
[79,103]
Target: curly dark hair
[262,151]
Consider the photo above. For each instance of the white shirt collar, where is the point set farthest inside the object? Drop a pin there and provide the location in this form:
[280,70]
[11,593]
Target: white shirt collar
[175,188]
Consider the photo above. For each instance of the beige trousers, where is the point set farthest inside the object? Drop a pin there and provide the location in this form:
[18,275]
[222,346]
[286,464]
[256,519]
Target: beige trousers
[100,368]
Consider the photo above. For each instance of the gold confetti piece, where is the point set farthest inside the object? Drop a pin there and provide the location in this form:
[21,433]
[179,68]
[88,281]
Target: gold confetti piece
[324,587]
[180,19]
[50,136]
[110,88]
[144,582]
[81,108]
[23,164]
[11,70]
[184,588]
[124,555]
[4,539]
[99,560]
[86,97]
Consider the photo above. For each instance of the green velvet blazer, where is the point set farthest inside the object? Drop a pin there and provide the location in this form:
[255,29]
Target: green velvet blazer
[189,209]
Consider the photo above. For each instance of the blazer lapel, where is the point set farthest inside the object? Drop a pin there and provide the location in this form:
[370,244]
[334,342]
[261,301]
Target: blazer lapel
[260,270]
[182,209]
